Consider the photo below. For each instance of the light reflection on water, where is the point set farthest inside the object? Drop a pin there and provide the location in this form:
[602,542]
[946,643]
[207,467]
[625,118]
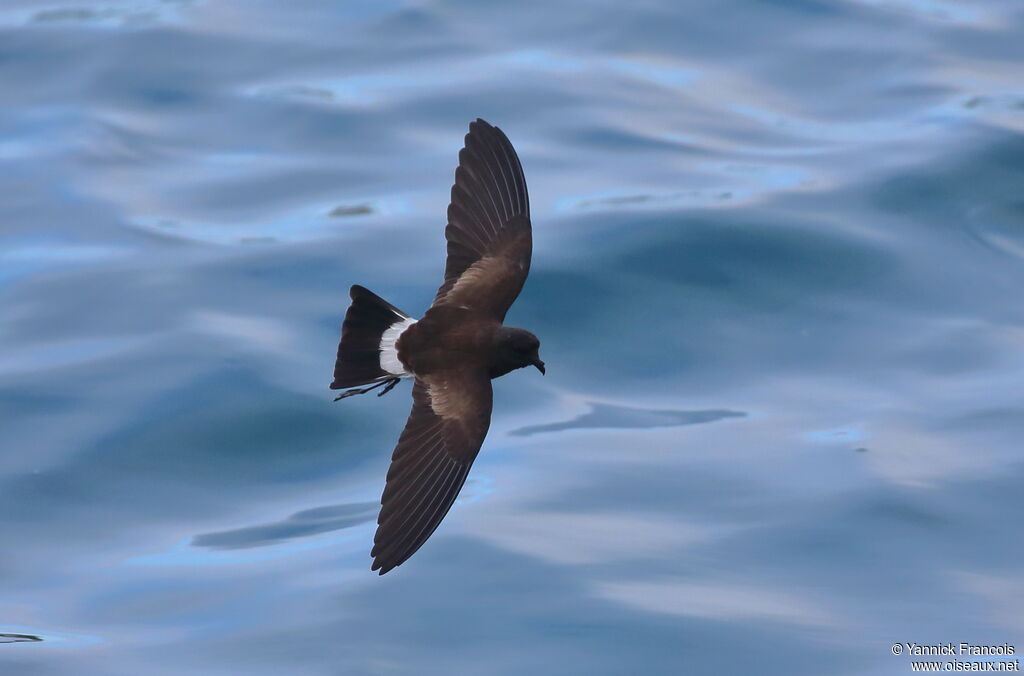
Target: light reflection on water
[778,254]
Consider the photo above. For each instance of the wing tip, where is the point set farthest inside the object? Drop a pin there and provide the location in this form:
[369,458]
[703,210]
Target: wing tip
[381,567]
[482,126]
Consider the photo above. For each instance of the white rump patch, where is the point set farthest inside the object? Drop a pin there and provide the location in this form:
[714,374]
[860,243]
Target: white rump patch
[389,360]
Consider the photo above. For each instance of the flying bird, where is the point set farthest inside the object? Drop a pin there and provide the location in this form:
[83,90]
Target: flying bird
[453,352]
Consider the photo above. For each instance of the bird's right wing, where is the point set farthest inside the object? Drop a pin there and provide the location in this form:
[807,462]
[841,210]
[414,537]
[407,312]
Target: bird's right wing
[490,239]
[451,412]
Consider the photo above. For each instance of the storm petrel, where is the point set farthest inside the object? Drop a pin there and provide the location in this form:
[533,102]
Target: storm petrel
[453,352]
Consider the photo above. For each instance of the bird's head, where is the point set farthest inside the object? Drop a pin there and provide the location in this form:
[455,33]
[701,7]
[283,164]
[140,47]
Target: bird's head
[516,348]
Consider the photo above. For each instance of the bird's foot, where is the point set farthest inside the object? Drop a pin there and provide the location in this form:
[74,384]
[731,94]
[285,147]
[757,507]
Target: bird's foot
[389,385]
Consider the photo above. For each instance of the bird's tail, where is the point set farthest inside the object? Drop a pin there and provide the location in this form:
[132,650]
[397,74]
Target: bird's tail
[367,352]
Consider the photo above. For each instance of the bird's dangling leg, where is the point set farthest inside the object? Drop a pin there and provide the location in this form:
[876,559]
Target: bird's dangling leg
[389,383]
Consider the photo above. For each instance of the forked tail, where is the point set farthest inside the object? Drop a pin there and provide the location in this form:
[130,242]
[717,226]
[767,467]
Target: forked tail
[367,352]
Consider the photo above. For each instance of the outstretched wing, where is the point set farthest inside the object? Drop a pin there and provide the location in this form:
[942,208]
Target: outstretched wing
[489,235]
[451,412]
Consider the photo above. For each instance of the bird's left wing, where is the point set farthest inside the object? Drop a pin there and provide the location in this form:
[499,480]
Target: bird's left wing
[451,412]
[490,239]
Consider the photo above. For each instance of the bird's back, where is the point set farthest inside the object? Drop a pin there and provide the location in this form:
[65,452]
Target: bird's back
[445,338]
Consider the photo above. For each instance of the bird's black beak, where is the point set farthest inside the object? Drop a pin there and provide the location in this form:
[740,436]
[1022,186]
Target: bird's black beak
[540,366]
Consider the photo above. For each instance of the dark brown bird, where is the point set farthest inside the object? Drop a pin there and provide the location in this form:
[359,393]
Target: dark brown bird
[453,352]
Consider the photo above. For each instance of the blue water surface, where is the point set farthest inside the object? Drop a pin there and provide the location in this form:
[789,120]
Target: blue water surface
[779,263]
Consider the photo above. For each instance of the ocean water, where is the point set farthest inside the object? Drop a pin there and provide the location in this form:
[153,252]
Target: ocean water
[779,263]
